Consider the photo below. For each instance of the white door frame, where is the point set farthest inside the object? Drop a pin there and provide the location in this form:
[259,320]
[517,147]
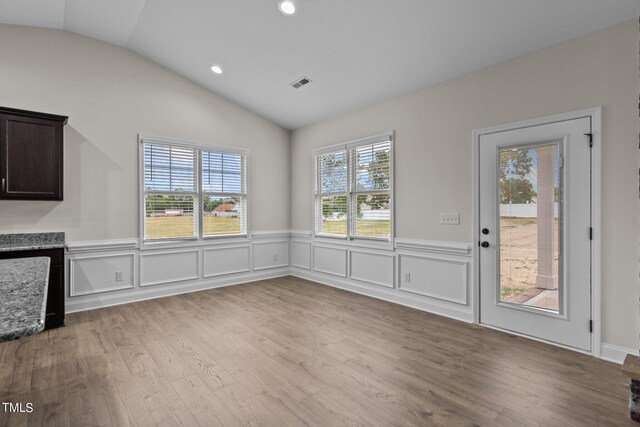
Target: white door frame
[595,115]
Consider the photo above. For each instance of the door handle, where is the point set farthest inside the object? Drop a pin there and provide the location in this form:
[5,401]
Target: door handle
[484,244]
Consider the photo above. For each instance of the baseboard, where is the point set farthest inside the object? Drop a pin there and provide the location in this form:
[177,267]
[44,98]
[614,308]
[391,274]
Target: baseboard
[613,353]
[142,294]
[457,312]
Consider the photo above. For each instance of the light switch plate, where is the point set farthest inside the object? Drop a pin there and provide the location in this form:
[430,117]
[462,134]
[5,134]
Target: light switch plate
[449,218]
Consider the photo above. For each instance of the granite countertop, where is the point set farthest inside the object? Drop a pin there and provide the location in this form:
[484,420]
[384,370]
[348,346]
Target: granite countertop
[24,283]
[31,241]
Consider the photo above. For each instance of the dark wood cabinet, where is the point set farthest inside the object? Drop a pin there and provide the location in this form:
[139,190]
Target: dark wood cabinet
[55,294]
[31,155]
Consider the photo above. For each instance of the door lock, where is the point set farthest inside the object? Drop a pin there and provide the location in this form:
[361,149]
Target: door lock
[485,231]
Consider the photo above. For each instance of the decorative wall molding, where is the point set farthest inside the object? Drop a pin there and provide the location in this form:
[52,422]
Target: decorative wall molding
[157,271]
[364,269]
[271,254]
[330,260]
[102,245]
[152,292]
[301,234]
[273,234]
[442,308]
[300,254]
[457,248]
[372,267]
[363,264]
[99,272]
[159,268]
[435,277]
[225,260]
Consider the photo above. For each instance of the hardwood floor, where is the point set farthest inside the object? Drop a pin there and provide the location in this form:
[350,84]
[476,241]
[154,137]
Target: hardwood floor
[291,352]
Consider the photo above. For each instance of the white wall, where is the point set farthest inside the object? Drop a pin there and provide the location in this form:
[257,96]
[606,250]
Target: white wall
[110,95]
[433,148]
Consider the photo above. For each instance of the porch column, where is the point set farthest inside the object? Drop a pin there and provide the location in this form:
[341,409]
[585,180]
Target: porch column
[546,278]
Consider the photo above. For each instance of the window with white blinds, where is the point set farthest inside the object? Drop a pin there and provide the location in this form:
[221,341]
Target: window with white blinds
[353,190]
[332,193]
[192,192]
[224,193]
[170,193]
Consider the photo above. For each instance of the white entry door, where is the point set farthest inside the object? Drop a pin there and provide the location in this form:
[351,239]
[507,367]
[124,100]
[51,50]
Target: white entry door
[535,231]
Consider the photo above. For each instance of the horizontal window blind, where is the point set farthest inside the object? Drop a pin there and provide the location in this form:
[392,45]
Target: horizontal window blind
[353,190]
[372,167]
[222,172]
[332,172]
[169,168]
[224,208]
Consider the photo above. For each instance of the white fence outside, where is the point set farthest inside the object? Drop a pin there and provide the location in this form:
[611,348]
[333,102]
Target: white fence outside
[373,215]
[366,215]
[529,210]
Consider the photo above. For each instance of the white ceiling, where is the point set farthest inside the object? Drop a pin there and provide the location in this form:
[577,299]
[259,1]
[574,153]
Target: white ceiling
[356,52]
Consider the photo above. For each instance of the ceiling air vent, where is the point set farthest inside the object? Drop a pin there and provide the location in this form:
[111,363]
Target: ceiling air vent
[300,82]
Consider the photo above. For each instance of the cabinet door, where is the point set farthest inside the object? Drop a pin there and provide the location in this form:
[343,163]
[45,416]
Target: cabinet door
[30,158]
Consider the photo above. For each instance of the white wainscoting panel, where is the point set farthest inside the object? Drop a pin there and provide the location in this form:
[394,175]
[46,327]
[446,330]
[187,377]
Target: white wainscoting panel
[330,260]
[95,274]
[374,268]
[270,254]
[445,279]
[301,254]
[168,267]
[226,260]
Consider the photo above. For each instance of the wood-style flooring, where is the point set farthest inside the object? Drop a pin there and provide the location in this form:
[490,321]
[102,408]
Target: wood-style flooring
[289,352]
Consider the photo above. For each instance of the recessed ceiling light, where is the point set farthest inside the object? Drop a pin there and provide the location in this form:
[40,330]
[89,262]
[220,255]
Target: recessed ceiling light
[216,69]
[287,7]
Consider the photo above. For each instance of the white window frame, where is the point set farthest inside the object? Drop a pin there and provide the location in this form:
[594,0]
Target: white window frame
[347,146]
[200,194]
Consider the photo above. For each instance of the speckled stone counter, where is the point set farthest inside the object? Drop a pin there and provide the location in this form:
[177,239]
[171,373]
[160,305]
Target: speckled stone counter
[23,296]
[31,241]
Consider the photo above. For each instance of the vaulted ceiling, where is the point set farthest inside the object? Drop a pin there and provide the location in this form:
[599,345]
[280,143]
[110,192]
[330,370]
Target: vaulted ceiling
[355,52]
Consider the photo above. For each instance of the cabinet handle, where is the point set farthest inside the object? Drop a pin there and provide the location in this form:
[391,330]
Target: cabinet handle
[2,184]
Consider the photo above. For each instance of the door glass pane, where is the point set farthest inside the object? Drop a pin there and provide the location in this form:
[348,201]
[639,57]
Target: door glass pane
[529,196]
